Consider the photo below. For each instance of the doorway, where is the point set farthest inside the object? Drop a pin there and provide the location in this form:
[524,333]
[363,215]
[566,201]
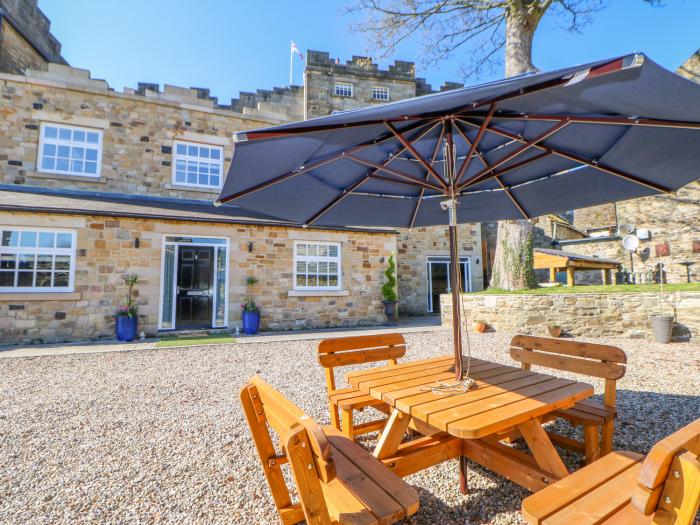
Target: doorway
[438,279]
[194,279]
[195,269]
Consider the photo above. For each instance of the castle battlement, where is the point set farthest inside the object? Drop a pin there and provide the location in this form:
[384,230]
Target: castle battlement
[361,66]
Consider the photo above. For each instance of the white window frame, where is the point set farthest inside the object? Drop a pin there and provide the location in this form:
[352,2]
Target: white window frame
[347,86]
[176,156]
[465,261]
[19,250]
[313,258]
[380,89]
[59,142]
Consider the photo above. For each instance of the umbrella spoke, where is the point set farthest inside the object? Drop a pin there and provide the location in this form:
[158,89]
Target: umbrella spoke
[474,144]
[433,157]
[400,174]
[332,157]
[522,149]
[359,182]
[593,163]
[512,198]
[416,155]
[507,169]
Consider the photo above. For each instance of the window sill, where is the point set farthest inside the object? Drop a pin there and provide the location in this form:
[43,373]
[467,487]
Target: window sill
[318,293]
[60,176]
[39,296]
[185,187]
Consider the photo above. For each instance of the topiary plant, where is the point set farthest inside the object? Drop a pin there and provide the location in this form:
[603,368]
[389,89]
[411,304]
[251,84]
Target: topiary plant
[389,287]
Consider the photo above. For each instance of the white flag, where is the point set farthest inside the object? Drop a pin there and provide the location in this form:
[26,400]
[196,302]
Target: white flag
[295,49]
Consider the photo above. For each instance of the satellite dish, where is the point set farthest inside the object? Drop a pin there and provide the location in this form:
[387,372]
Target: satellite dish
[625,229]
[630,242]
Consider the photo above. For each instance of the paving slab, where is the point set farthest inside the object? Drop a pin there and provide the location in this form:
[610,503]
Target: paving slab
[406,325]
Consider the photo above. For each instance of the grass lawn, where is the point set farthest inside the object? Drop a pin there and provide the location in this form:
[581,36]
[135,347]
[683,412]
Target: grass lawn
[212,339]
[627,288]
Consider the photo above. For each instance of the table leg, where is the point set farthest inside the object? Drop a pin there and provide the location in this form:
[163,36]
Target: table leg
[542,449]
[463,476]
[392,435]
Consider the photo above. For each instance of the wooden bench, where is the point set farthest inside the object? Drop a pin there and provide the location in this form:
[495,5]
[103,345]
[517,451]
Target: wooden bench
[602,361]
[626,488]
[338,482]
[346,351]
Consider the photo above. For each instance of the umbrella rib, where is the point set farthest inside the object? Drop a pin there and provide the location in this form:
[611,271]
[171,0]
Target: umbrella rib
[422,190]
[522,149]
[512,197]
[415,181]
[474,144]
[581,160]
[415,154]
[607,120]
[359,182]
[469,143]
[317,164]
[508,169]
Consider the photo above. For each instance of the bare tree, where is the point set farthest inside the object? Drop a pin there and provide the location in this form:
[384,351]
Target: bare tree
[497,32]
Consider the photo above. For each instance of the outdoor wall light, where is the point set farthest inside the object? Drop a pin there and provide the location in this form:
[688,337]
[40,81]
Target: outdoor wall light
[477,260]
[250,247]
[137,242]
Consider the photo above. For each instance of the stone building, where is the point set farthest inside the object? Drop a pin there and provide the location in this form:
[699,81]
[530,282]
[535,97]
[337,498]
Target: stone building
[97,183]
[668,227]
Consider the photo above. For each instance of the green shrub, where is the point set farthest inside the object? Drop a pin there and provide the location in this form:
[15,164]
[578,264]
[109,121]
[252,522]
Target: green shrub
[389,287]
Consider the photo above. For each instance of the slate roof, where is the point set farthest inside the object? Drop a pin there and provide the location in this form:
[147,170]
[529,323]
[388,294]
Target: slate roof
[76,202]
[575,256]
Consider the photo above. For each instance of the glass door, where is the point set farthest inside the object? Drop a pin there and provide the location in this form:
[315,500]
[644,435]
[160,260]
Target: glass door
[439,279]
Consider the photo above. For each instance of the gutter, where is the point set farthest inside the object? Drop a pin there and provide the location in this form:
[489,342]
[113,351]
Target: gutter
[131,215]
[587,240]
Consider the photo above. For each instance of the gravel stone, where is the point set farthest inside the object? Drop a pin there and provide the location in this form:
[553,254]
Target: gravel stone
[159,436]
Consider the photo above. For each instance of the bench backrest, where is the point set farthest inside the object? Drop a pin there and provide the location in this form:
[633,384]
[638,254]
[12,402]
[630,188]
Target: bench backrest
[304,445]
[668,485]
[602,361]
[345,351]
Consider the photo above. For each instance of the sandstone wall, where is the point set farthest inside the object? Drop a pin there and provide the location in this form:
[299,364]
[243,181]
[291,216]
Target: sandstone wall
[16,54]
[589,315]
[416,245]
[138,131]
[106,251]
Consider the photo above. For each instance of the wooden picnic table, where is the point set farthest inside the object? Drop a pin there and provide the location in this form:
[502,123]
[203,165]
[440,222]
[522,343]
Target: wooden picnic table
[507,401]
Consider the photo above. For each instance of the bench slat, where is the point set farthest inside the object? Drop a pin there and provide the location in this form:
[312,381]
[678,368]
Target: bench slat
[568,364]
[572,348]
[547,502]
[600,503]
[404,495]
[342,344]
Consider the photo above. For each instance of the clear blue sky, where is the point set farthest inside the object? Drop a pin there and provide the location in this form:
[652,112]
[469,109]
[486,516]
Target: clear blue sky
[240,45]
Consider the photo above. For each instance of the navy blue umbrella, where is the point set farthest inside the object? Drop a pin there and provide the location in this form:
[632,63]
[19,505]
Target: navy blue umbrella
[513,149]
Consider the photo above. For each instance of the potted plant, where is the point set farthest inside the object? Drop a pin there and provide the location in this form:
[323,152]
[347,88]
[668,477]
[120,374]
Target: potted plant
[250,313]
[480,326]
[126,318]
[554,330]
[389,293]
[662,324]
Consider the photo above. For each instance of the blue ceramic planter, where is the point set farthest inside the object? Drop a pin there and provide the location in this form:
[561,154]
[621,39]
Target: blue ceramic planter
[125,327]
[251,322]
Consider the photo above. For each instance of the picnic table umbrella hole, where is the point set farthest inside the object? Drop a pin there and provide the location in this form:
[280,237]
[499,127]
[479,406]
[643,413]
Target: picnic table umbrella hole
[513,149]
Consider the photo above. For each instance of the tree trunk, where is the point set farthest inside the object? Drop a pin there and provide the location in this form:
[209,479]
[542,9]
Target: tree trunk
[512,265]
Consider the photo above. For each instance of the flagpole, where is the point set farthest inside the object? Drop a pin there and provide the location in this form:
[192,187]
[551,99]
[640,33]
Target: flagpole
[291,61]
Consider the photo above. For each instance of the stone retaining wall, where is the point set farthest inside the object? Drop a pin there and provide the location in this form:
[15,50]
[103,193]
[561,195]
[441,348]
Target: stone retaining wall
[589,315]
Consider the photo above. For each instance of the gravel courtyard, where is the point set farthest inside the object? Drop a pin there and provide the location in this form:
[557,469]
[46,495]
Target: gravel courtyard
[158,435]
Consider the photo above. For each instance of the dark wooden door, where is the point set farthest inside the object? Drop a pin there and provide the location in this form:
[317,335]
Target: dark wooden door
[195,273]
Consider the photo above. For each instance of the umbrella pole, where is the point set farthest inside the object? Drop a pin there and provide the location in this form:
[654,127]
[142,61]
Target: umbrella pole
[451,206]
[456,298]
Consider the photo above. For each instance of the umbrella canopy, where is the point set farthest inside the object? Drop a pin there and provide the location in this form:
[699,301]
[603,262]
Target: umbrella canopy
[525,146]
[517,148]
